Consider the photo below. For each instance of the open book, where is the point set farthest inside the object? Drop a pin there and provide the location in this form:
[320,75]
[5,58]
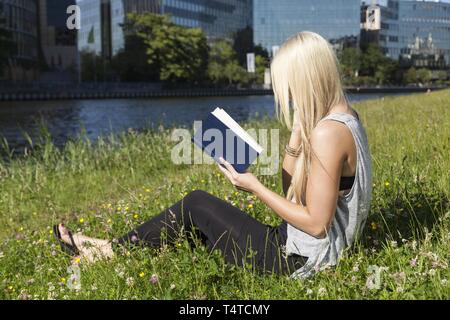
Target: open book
[221,136]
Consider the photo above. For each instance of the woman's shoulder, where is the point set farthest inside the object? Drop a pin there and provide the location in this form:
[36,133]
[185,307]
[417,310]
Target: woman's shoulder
[330,129]
[331,134]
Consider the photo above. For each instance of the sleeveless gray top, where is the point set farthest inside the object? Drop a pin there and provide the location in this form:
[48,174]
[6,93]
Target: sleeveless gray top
[351,212]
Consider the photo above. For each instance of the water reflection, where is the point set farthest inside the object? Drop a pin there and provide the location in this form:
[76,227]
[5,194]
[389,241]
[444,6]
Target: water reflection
[66,119]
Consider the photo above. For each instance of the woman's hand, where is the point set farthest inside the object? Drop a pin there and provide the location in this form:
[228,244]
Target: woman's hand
[243,181]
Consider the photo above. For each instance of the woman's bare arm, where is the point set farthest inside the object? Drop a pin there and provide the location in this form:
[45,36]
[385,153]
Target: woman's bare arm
[329,144]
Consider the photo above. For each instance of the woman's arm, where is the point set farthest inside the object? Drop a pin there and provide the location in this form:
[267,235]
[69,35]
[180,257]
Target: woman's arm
[328,144]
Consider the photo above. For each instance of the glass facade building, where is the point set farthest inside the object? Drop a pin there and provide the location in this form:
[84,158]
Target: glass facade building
[58,43]
[275,21]
[89,35]
[101,19]
[218,18]
[412,28]
[19,18]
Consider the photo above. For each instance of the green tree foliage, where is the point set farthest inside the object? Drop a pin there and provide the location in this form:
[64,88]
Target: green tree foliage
[410,76]
[94,67]
[424,76]
[131,63]
[179,54]
[375,64]
[262,62]
[350,59]
[243,44]
[224,67]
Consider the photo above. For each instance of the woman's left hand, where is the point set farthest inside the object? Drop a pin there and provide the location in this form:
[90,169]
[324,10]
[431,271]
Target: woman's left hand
[244,181]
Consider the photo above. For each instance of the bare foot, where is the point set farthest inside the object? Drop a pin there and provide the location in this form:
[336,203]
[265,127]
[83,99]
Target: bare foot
[90,249]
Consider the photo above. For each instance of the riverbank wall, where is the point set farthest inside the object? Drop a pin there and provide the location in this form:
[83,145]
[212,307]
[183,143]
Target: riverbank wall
[117,93]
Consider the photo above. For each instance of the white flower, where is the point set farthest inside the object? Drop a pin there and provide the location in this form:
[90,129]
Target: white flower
[309,292]
[373,281]
[129,281]
[51,287]
[322,291]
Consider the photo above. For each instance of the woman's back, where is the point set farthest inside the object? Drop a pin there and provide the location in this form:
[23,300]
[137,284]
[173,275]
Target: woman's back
[351,212]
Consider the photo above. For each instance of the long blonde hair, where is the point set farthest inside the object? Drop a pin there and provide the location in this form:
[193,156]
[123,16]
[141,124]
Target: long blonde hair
[306,79]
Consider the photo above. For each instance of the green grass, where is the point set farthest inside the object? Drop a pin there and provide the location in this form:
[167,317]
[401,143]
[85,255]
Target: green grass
[105,189]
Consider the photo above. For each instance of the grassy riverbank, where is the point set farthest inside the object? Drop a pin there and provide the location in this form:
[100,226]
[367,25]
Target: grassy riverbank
[104,190]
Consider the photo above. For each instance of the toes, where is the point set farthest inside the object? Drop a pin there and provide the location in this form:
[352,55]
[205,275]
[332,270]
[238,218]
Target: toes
[62,229]
[64,233]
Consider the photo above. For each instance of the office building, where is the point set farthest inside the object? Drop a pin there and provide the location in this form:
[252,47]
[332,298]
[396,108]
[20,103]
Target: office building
[101,20]
[336,20]
[58,43]
[407,29]
[19,20]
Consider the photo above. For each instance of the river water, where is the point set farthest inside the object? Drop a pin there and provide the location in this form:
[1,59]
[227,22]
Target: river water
[67,118]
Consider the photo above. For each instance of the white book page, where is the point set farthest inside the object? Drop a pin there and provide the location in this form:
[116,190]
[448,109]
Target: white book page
[225,118]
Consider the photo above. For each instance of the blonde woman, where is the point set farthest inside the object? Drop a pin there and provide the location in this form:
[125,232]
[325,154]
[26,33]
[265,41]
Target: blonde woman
[326,178]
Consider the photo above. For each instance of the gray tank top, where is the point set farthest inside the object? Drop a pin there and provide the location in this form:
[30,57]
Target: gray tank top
[351,212]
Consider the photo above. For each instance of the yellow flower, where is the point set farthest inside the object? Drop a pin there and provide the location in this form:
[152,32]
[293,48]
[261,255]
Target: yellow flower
[387,183]
[10,287]
[147,190]
[202,181]
[77,260]
[21,229]
[81,220]
[63,280]
[136,216]
[50,232]
[109,221]
[126,208]
[141,274]
[250,206]
[374,226]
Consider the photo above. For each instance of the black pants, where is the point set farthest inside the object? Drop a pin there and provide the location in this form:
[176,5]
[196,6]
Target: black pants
[219,225]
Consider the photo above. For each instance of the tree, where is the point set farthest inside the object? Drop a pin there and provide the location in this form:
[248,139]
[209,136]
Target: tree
[243,44]
[223,65]
[261,63]
[375,64]
[410,76]
[424,75]
[178,53]
[350,59]
[94,67]
[131,63]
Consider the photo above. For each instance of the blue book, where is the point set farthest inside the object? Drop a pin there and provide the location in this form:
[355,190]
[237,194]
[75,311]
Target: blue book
[221,136]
